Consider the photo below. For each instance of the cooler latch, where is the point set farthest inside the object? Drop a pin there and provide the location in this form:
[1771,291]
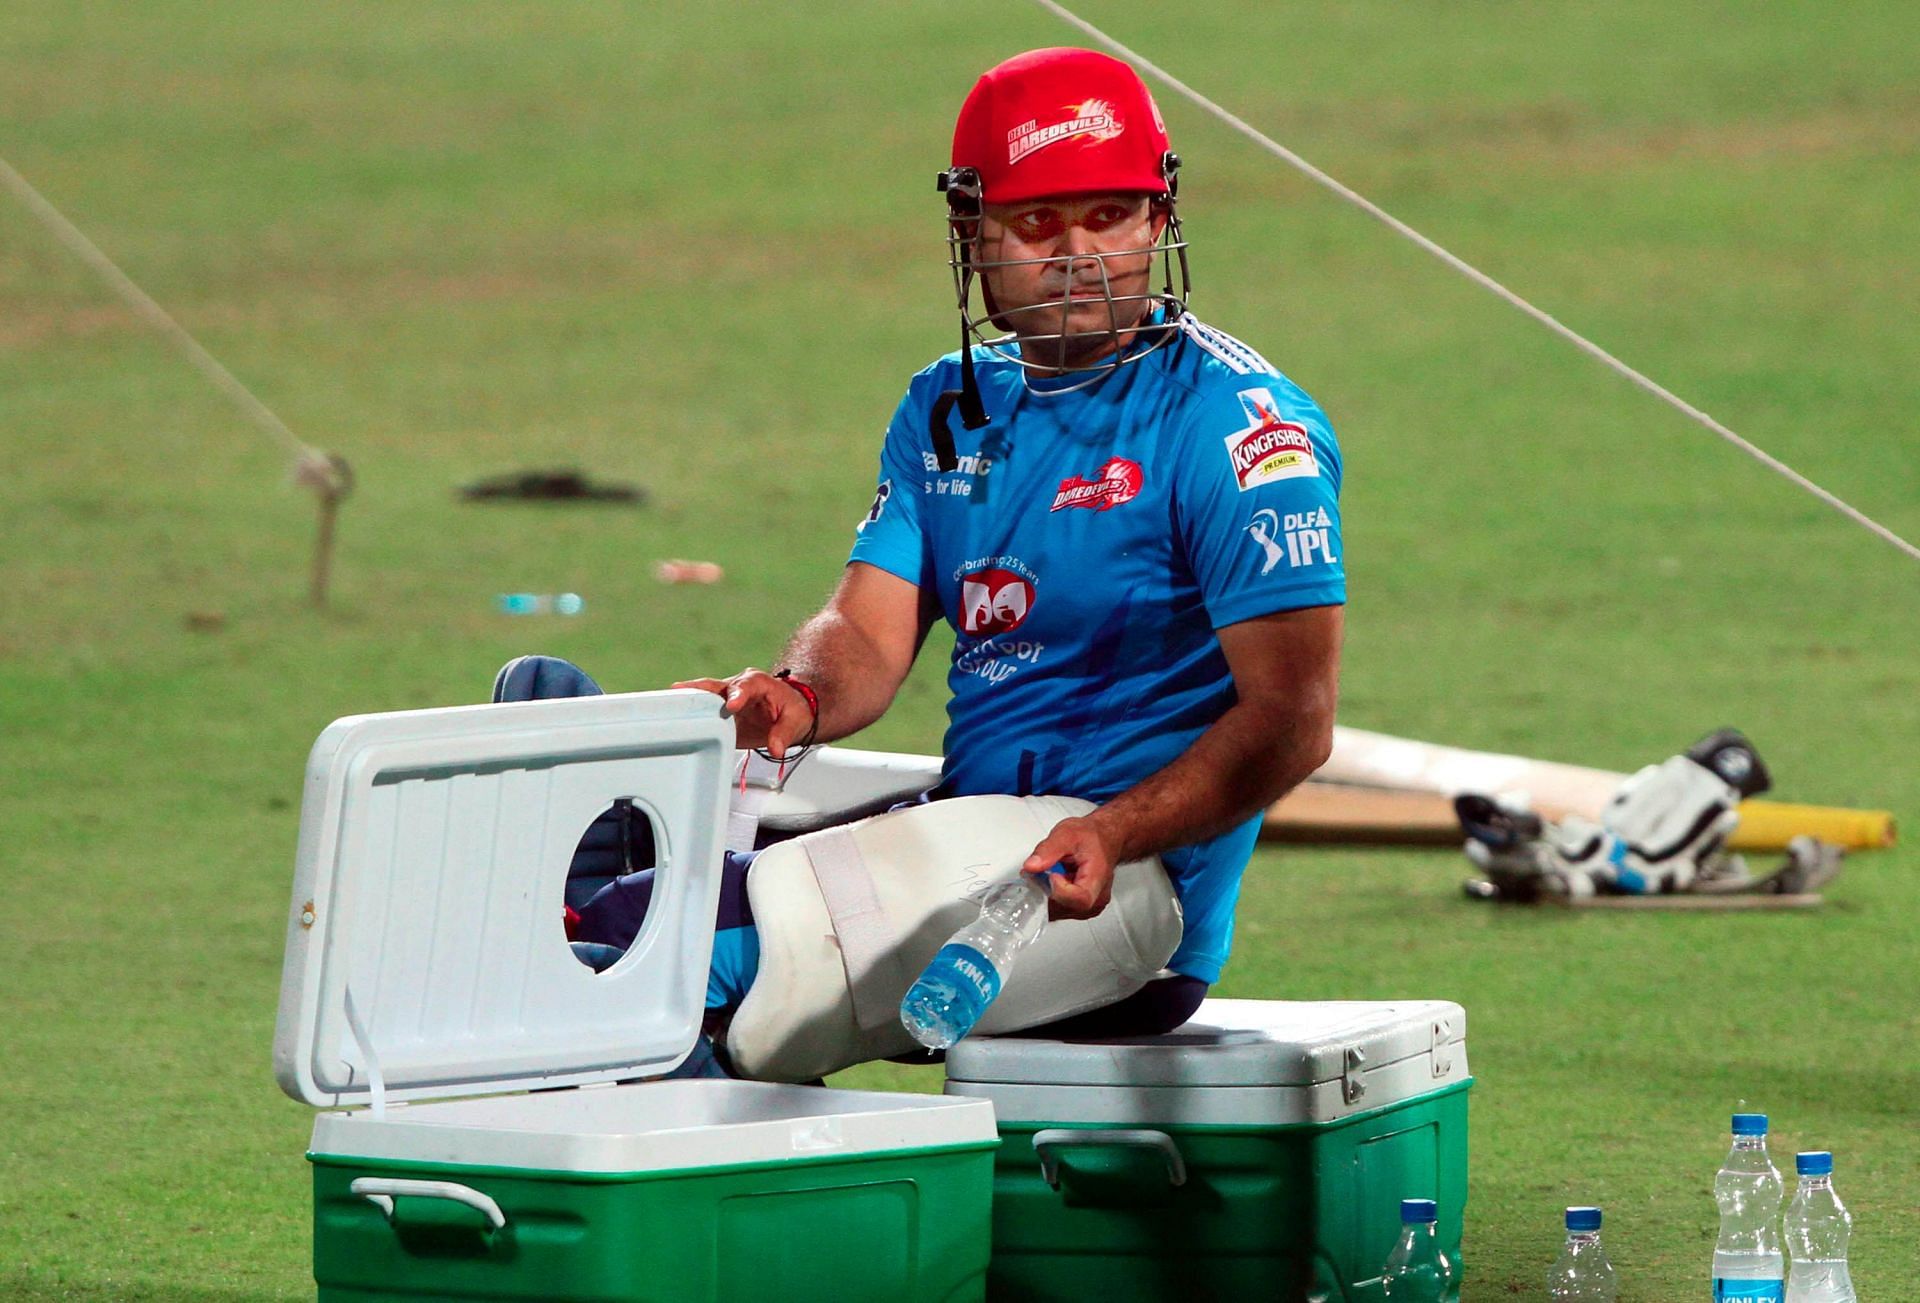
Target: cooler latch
[1352,1064]
[1442,1049]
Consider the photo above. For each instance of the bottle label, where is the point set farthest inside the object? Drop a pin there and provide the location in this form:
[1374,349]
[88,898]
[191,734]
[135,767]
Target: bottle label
[973,968]
[1748,1289]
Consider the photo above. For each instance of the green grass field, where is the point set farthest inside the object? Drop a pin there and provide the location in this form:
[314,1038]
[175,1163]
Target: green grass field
[697,246]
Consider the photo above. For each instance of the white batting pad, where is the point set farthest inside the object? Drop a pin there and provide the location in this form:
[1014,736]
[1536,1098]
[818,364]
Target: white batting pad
[904,882]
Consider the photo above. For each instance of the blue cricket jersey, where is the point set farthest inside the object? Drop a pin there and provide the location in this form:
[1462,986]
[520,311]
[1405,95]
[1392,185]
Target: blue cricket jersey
[1084,552]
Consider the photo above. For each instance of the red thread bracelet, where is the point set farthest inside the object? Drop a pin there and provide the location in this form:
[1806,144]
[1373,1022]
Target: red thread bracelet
[800,686]
[812,699]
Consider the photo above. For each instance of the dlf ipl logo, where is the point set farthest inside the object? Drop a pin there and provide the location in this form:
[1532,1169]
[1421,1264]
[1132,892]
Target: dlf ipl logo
[1300,538]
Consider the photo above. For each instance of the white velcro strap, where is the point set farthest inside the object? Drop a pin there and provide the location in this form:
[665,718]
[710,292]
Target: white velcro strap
[743,818]
[755,780]
[869,944]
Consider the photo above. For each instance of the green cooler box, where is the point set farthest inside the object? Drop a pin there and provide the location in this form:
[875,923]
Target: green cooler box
[480,1142]
[1259,1152]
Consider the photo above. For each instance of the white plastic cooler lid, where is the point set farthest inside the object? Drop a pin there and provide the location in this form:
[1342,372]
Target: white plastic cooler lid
[429,884]
[1256,1062]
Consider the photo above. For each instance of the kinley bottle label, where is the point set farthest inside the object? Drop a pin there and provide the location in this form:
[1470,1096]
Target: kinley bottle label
[973,968]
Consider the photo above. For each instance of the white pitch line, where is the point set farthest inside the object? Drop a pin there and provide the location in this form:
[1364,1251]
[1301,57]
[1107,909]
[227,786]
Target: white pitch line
[1483,280]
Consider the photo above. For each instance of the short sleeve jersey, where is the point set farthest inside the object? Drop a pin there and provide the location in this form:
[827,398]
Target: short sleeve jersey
[1085,551]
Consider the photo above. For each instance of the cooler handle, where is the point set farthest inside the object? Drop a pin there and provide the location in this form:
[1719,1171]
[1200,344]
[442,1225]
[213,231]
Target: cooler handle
[1045,1142]
[381,1191]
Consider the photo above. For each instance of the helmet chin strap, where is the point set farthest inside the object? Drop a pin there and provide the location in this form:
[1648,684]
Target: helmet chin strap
[960,185]
[973,413]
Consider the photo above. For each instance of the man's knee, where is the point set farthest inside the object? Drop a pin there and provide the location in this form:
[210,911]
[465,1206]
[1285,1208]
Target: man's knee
[617,911]
[540,678]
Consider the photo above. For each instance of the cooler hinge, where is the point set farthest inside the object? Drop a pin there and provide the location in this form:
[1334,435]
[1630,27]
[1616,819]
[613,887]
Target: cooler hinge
[1352,1064]
[1441,1053]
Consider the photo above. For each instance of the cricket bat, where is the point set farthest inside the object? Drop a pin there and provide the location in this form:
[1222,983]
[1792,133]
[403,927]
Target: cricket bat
[1386,790]
[1340,813]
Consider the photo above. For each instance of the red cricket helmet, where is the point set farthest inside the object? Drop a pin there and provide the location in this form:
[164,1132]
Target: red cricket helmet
[1056,123]
[1061,122]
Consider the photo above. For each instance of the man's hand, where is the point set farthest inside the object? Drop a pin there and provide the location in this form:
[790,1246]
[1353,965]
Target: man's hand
[767,711]
[1089,855]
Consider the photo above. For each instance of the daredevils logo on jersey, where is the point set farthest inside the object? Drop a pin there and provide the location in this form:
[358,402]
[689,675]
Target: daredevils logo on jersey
[1119,482]
[993,601]
[1092,119]
[1271,447]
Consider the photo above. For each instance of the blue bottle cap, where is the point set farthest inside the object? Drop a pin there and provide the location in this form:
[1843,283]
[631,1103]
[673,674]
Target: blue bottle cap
[1749,1124]
[1813,1162]
[1415,1211]
[1583,1219]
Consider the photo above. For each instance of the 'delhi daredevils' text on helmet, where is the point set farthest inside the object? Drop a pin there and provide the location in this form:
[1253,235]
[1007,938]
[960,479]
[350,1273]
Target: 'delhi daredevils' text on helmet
[1056,124]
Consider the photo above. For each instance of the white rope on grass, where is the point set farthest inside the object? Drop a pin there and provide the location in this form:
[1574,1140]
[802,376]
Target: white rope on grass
[309,461]
[1481,279]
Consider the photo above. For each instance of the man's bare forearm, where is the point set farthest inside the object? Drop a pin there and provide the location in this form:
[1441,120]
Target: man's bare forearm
[850,674]
[1250,757]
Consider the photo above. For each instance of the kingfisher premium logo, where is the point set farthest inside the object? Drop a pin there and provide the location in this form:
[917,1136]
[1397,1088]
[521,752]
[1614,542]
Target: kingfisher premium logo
[1094,119]
[1119,482]
[1270,448]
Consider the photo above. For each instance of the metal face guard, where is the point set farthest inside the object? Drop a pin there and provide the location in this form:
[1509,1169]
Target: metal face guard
[962,187]
[1050,352]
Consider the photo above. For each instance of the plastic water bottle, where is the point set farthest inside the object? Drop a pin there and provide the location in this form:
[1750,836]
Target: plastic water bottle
[1746,1260]
[1582,1274]
[1418,1270]
[970,969]
[540,603]
[1817,1225]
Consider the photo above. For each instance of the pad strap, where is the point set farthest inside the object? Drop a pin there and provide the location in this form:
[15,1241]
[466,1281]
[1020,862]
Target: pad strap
[755,780]
[869,947]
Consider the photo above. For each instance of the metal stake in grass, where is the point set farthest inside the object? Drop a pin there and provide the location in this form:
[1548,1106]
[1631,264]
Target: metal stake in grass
[331,479]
